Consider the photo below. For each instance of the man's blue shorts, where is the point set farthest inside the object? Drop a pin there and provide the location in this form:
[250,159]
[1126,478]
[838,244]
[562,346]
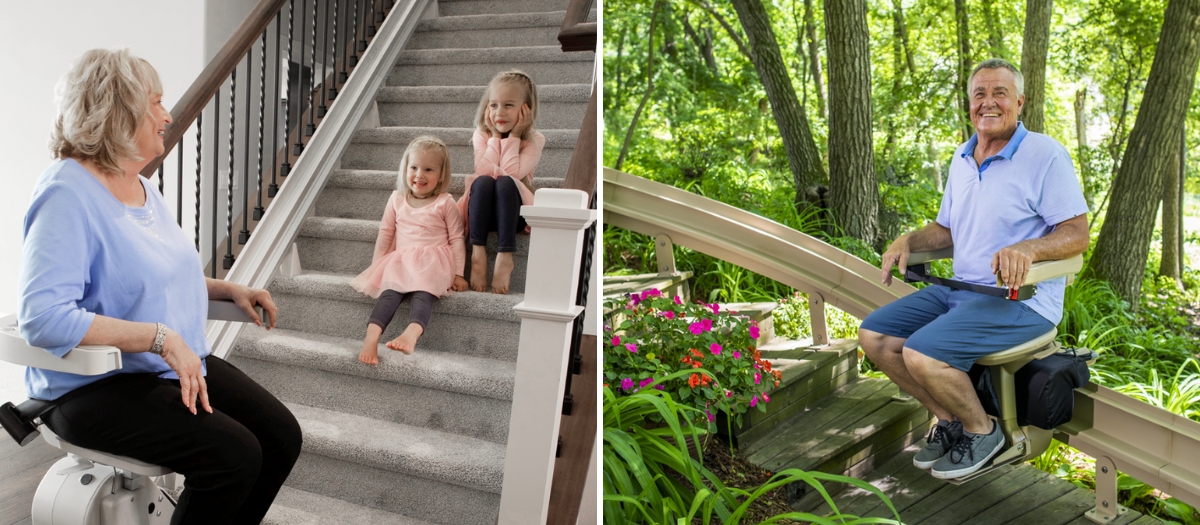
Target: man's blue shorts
[957,327]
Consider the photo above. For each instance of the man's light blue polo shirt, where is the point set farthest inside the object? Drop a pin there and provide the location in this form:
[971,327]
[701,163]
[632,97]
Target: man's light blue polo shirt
[1018,194]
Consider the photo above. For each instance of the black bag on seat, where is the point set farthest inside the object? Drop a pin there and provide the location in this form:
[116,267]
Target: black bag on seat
[1045,388]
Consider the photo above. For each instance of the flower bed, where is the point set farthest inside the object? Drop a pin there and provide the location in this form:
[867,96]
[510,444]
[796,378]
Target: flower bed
[656,335]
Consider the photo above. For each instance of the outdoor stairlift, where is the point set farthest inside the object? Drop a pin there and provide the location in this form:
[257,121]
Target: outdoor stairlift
[89,487]
[1022,443]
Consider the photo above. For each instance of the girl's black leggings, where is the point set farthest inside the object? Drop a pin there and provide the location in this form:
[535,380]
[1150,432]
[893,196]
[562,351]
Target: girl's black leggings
[495,206]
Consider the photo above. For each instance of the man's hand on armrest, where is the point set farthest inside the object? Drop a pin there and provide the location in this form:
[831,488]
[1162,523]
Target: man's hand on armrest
[1069,238]
[933,236]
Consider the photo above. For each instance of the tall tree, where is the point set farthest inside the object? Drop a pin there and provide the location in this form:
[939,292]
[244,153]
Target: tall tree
[1171,264]
[814,58]
[649,84]
[1081,146]
[803,158]
[995,39]
[1121,250]
[853,190]
[1033,61]
[964,67]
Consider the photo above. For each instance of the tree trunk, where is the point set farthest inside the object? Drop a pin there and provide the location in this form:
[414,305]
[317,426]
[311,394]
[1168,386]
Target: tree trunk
[995,36]
[1121,250]
[1033,61]
[1171,264]
[853,190]
[704,44]
[649,84]
[798,142]
[1081,142]
[814,58]
[964,66]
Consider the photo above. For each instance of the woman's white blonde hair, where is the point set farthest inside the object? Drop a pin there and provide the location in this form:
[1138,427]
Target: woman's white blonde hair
[102,102]
[428,144]
[518,78]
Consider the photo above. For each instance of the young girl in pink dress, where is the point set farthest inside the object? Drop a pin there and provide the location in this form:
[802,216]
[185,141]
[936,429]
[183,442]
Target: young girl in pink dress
[419,251]
[507,149]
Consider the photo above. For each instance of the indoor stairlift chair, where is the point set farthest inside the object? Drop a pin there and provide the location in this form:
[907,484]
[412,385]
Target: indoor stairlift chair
[89,487]
[1022,443]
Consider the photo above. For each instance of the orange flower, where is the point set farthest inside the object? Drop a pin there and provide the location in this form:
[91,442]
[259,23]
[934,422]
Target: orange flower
[767,365]
[696,353]
[687,359]
[704,379]
[694,380]
[777,384]
[777,374]
[697,364]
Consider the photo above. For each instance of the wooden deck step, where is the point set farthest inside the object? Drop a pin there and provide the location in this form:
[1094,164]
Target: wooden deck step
[1013,494]
[850,431]
[809,374]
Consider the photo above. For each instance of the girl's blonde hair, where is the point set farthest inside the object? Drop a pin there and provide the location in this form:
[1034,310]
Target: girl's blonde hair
[510,77]
[425,143]
[102,102]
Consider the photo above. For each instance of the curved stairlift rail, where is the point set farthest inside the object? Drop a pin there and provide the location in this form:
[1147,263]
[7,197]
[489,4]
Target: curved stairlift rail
[1155,446]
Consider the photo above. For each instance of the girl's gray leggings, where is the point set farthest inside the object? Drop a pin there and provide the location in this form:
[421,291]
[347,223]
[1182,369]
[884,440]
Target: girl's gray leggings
[420,308]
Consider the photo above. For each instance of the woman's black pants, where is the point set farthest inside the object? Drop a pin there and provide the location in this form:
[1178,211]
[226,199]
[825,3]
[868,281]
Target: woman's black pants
[234,460]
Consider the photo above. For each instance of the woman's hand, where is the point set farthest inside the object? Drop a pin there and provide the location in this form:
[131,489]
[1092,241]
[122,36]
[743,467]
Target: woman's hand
[460,284]
[247,298]
[186,365]
[523,122]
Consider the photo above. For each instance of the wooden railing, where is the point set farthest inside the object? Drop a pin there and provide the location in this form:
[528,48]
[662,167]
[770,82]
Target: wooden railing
[577,34]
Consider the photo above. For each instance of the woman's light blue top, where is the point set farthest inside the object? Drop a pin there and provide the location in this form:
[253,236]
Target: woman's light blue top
[86,254]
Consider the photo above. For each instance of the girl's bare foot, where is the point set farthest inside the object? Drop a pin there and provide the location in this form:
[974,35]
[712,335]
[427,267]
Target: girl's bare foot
[478,268]
[502,272]
[370,350]
[406,343]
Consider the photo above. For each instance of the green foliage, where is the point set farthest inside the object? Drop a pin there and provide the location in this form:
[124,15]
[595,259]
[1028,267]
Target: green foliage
[651,477]
[791,320]
[655,336]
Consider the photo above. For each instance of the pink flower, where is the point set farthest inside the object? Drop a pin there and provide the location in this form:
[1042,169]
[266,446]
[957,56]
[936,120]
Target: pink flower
[631,347]
[668,314]
[753,332]
[648,380]
[706,324]
[716,308]
[765,398]
[653,292]
[616,341]
[757,378]
[754,401]
[737,355]
[715,348]
[626,384]
[678,300]
[695,328]
[728,394]
[711,417]
[658,386]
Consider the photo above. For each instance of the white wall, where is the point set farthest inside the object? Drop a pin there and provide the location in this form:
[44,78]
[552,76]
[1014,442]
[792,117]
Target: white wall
[40,40]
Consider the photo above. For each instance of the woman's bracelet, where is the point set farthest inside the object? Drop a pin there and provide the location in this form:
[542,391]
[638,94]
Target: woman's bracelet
[159,338]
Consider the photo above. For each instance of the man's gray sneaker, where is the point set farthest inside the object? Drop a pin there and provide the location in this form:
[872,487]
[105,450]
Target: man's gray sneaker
[970,453]
[941,437]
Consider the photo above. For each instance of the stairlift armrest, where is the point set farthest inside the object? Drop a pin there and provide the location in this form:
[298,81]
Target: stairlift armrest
[1046,270]
[88,360]
[915,258]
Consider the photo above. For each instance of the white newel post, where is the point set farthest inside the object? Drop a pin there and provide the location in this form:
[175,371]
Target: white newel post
[557,219]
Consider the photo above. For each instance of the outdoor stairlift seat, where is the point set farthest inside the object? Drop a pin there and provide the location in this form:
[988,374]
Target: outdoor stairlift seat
[90,487]
[1022,443]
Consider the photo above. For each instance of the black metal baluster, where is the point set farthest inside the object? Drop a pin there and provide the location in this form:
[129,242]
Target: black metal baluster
[273,188]
[262,113]
[216,181]
[338,77]
[199,148]
[160,178]
[575,360]
[228,261]
[244,233]
[312,75]
[324,64]
[287,109]
[299,147]
[375,18]
[179,184]
[352,46]
[379,13]
[362,41]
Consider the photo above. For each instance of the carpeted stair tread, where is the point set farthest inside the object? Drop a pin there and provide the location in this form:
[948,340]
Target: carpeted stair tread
[550,53]
[297,507]
[385,181]
[473,7]
[441,94]
[494,21]
[440,456]
[336,286]
[426,368]
[555,138]
[365,230]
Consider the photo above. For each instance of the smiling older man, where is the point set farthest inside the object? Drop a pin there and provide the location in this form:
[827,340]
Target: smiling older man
[1011,199]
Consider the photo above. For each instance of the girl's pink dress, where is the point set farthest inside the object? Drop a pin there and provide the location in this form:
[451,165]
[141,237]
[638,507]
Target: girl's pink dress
[417,248]
[496,157]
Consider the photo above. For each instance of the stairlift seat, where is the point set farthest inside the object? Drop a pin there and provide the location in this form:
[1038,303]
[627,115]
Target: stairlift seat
[1037,348]
[112,460]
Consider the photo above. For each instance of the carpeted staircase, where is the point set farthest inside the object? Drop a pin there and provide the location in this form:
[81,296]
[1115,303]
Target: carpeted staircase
[418,439]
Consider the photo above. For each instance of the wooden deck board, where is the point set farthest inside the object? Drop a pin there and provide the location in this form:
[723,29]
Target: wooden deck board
[1066,508]
[1016,506]
[1000,489]
[948,496]
[822,422]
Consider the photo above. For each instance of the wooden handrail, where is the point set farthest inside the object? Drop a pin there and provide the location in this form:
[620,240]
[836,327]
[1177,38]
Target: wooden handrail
[577,34]
[213,77]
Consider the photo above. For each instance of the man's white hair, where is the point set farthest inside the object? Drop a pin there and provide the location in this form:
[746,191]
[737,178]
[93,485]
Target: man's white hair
[998,63]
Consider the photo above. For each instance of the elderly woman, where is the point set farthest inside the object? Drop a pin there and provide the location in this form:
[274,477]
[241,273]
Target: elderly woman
[105,264]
